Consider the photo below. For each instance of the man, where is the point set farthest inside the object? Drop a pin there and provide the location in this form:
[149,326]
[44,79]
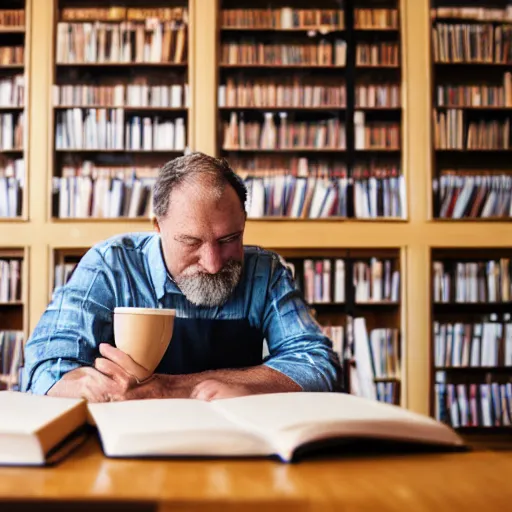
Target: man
[228,300]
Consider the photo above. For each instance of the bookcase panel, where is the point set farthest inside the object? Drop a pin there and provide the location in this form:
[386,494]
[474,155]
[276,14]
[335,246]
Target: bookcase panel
[12,322]
[472,105]
[355,296]
[121,99]
[13,118]
[281,69]
[471,350]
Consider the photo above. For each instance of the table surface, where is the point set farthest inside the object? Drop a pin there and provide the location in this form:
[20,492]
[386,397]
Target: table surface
[474,480]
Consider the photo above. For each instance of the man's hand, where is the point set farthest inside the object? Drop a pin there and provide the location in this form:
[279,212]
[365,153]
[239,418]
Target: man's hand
[212,389]
[120,366]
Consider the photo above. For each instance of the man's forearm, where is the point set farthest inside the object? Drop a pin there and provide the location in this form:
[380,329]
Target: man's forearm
[258,379]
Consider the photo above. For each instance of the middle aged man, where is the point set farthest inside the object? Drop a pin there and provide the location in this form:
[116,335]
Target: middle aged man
[229,299]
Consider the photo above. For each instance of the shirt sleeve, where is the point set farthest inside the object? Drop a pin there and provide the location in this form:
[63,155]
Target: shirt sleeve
[297,347]
[76,321]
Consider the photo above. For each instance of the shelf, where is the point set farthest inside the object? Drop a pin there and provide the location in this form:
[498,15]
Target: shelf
[288,108]
[122,151]
[295,30]
[121,64]
[10,109]
[11,151]
[11,66]
[475,64]
[12,30]
[377,29]
[386,379]
[287,150]
[473,369]
[280,66]
[100,219]
[125,108]
[379,304]
[473,108]
[12,304]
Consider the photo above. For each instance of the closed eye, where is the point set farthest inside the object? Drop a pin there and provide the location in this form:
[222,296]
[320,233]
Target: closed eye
[230,239]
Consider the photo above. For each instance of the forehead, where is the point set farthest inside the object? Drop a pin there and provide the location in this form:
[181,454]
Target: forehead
[200,208]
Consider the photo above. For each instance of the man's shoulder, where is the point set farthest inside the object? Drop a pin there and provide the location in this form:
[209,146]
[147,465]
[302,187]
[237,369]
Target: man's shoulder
[263,260]
[124,242]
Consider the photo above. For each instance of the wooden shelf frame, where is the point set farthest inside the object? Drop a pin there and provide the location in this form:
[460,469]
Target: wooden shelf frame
[39,235]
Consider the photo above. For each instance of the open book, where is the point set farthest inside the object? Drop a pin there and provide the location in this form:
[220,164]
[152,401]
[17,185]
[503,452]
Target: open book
[261,425]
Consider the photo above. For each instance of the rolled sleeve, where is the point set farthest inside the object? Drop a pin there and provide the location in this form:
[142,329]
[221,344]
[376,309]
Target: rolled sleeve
[297,346]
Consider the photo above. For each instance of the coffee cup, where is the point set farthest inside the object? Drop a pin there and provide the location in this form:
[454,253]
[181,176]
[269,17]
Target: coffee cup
[144,334]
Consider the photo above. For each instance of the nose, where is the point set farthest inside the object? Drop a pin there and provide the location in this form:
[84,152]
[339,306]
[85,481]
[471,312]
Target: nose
[211,258]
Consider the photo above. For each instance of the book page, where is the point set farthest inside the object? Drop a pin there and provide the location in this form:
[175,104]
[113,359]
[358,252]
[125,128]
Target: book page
[290,419]
[172,427]
[22,413]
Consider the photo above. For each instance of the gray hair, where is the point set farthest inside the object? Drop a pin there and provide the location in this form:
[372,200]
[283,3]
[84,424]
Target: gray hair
[193,166]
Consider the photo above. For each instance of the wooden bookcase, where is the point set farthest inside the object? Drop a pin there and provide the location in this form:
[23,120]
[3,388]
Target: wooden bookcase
[472,106]
[326,103]
[120,104]
[14,54]
[471,350]
[38,234]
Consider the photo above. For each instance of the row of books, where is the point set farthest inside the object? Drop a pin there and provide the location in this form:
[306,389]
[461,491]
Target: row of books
[283,18]
[105,129]
[376,281]
[372,354]
[104,193]
[474,405]
[278,132]
[10,279]
[473,195]
[118,13]
[251,52]
[452,132]
[12,182]
[12,17]
[12,91]
[383,95]
[324,281]
[375,134]
[473,13]
[378,54]
[11,131]
[149,41]
[472,281]
[285,195]
[477,95]
[11,55]
[119,95]
[285,92]
[479,43]
[475,345]
[375,18]
[11,357]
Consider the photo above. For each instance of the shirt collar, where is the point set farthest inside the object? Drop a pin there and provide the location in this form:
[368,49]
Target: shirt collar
[160,276]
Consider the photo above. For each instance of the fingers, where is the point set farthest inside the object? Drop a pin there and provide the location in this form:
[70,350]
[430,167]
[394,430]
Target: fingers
[114,371]
[206,390]
[124,361]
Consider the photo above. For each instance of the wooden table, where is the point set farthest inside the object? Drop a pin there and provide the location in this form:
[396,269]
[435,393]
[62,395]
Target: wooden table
[478,480]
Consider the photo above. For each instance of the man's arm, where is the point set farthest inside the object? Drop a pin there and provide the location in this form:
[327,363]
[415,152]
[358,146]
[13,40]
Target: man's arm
[65,338]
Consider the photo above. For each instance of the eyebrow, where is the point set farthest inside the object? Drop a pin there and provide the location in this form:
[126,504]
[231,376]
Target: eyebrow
[195,239]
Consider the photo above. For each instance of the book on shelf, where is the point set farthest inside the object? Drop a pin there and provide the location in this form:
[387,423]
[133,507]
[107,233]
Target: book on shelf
[144,36]
[12,91]
[473,13]
[473,404]
[473,194]
[12,18]
[95,191]
[12,182]
[285,18]
[12,55]
[375,18]
[377,95]
[11,358]
[466,282]
[485,344]
[252,52]
[12,131]
[282,425]
[375,134]
[10,279]
[385,54]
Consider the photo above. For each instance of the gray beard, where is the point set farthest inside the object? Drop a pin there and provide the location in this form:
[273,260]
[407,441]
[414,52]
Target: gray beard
[210,290]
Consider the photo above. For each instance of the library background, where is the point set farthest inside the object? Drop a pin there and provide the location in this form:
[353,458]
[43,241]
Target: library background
[373,136]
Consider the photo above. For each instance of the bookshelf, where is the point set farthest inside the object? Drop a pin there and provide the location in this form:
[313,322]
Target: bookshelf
[472,105]
[120,97]
[472,340]
[12,315]
[355,295]
[309,107]
[37,235]
[13,93]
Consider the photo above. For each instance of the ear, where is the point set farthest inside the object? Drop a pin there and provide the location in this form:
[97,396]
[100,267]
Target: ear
[156,226]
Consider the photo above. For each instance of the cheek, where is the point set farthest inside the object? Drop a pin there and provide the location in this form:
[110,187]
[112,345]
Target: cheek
[179,257]
[233,252]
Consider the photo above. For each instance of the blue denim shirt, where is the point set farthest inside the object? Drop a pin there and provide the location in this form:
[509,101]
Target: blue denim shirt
[129,270]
